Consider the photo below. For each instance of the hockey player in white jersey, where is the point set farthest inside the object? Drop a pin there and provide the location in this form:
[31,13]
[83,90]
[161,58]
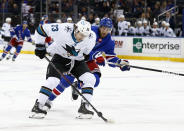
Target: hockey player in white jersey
[168,31]
[5,31]
[97,22]
[162,28]
[155,31]
[139,29]
[122,25]
[131,30]
[146,28]
[72,43]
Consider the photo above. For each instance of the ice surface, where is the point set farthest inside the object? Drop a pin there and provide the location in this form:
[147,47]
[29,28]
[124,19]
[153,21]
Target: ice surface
[137,100]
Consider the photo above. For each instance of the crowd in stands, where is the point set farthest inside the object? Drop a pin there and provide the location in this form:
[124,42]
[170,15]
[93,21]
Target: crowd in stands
[134,12]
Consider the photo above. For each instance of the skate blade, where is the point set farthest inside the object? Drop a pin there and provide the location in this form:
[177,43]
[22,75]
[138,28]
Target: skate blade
[34,115]
[84,116]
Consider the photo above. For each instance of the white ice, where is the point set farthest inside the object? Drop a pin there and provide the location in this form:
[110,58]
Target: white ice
[136,100]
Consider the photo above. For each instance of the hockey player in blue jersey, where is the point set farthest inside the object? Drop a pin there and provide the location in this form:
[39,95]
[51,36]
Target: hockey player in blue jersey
[44,20]
[104,44]
[18,35]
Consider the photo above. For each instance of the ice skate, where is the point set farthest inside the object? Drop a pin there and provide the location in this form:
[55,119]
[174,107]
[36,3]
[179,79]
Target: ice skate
[13,59]
[1,58]
[74,92]
[37,112]
[7,58]
[83,111]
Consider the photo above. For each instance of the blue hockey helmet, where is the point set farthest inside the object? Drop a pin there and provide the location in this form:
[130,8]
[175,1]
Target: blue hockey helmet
[24,22]
[44,17]
[106,22]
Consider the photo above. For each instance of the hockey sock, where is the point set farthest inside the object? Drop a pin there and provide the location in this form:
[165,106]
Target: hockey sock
[8,48]
[18,49]
[97,76]
[56,92]
[87,93]
[44,94]
[61,87]
[65,83]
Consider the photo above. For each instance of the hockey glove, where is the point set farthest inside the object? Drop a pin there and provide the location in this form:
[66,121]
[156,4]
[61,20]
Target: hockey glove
[99,58]
[124,65]
[40,51]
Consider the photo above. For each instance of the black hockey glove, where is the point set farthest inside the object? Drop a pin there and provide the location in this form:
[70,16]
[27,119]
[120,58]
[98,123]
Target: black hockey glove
[40,51]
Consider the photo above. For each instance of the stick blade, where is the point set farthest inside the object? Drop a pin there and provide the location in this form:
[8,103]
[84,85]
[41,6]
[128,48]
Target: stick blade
[110,121]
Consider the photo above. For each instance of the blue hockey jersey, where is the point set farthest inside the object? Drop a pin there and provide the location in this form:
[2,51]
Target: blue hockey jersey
[105,45]
[20,34]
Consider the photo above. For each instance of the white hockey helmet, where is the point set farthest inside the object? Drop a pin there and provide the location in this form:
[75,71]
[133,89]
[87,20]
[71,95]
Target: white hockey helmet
[58,21]
[121,16]
[83,18]
[145,22]
[155,23]
[69,18]
[8,19]
[167,24]
[163,22]
[97,19]
[139,22]
[84,27]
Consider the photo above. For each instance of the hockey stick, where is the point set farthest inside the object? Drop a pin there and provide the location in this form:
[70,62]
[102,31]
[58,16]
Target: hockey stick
[150,69]
[61,74]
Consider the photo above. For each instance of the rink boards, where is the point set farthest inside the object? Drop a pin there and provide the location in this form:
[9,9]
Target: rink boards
[144,48]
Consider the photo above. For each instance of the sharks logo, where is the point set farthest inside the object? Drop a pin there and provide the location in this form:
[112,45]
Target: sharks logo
[71,50]
[68,29]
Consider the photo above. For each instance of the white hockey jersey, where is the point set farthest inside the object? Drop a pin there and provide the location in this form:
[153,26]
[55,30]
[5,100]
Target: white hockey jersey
[139,31]
[155,32]
[162,30]
[62,35]
[146,31]
[122,27]
[94,24]
[131,31]
[6,29]
[169,33]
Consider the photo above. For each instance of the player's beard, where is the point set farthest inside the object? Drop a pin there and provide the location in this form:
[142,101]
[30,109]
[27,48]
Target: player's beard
[102,34]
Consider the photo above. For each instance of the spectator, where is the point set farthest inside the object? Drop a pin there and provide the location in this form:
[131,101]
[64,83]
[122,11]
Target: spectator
[170,20]
[105,7]
[91,18]
[4,6]
[15,15]
[156,10]
[163,6]
[54,8]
